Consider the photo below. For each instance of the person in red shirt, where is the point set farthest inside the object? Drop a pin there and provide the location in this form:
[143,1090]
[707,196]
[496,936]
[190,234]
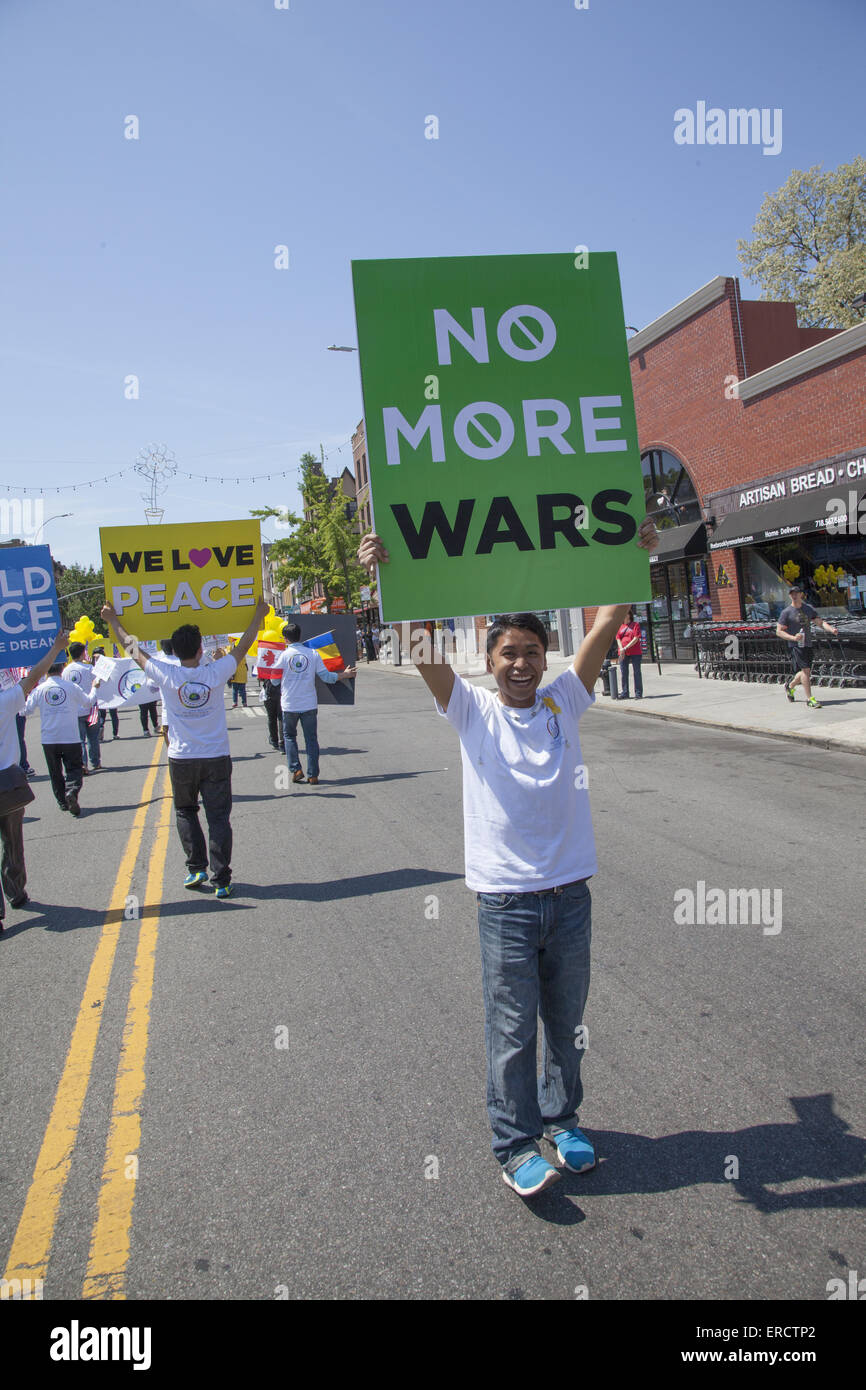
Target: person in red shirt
[628,642]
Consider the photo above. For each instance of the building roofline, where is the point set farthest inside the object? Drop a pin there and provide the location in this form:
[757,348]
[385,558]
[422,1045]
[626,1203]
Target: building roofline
[708,294]
[840,345]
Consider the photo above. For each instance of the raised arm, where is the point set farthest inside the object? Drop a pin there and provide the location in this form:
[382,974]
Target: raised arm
[35,674]
[108,613]
[246,639]
[594,647]
[437,674]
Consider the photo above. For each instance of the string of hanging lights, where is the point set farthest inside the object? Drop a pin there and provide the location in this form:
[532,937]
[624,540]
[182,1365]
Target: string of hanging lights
[51,489]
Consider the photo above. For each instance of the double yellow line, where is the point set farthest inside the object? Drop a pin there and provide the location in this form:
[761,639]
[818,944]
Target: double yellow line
[109,1244]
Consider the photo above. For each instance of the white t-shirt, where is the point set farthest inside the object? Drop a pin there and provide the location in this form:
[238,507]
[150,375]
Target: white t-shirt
[196,714]
[166,661]
[11,703]
[300,666]
[60,704]
[526,813]
[80,674]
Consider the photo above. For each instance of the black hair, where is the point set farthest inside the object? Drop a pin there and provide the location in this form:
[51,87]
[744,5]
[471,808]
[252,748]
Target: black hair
[186,641]
[291,632]
[58,666]
[75,650]
[529,621]
[101,651]
[167,647]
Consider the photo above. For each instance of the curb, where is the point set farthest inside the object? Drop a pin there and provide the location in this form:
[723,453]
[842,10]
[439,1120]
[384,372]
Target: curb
[829,744]
[814,740]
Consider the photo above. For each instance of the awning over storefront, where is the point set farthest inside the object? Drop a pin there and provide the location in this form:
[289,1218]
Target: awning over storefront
[680,542]
[803,514]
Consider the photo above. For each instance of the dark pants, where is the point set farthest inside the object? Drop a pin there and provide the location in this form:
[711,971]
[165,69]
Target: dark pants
[64,758]
[143,711]
[89,741]
[309,723]
[212,777]
[115,722]
[13,871]
[238,688]
[20,723]
[275,715]
[634,663]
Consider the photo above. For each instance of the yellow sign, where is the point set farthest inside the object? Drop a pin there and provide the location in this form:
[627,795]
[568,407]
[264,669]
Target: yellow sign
[204,572]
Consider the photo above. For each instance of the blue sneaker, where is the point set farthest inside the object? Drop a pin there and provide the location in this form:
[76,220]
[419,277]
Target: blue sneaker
[224,890]
[196,879]
[533,1175]
[574,1149]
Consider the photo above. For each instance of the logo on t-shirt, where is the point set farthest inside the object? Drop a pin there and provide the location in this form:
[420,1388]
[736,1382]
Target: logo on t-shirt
[299,663]
[74,676]
[129,683]
[55,695]
[553,727]
[193,694]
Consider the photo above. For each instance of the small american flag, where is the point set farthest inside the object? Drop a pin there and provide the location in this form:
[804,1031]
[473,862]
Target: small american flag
[11,675]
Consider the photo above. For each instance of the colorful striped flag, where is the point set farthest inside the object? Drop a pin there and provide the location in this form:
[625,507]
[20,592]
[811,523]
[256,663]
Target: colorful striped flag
[328,650]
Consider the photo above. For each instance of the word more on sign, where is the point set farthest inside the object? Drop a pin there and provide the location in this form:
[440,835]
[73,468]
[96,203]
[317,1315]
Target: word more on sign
[504,462]
[208,573]
[29,613]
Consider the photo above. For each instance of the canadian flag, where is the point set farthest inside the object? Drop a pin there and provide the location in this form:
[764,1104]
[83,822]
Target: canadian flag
[265,657]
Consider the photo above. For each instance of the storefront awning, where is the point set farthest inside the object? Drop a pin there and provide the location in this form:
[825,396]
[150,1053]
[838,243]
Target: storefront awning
[680,542]
[800,515]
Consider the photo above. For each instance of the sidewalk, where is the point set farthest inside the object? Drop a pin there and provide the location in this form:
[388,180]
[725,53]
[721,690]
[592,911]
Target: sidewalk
[679,694]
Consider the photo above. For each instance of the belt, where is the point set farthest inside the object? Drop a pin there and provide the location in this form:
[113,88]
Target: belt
[542,892]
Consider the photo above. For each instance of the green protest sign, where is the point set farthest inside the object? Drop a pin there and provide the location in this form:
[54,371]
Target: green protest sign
[501,435]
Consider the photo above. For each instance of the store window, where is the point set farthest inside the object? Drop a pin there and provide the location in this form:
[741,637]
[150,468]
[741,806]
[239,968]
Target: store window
[832,572]
[765,592]
[669,492]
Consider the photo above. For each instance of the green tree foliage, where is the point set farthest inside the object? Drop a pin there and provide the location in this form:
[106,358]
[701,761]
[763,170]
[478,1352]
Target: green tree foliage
[808,244]
[323,543]
[70,578]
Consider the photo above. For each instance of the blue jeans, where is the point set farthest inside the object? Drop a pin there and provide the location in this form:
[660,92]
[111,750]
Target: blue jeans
[309,723]
[534,960]
[634,663]
[89,734]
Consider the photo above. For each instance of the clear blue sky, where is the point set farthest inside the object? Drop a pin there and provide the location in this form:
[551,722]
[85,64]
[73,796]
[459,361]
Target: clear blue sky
[305,127]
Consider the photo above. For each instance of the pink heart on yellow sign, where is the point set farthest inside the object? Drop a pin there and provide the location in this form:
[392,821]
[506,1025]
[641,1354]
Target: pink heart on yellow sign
[200,557]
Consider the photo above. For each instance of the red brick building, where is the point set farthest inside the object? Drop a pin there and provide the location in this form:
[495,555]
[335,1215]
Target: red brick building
[752,434]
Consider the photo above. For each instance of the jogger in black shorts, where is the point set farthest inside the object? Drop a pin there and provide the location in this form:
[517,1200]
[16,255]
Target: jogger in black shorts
[794,625]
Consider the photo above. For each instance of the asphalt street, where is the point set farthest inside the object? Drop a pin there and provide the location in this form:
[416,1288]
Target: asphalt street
[307,1059]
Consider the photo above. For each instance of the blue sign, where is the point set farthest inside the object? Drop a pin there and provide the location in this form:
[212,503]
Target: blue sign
[29,612]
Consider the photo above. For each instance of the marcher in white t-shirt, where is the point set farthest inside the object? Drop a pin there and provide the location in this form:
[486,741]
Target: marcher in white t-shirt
[13,870]
[79,670]
[301,666]
[529,854]
[198,742]
[61,705]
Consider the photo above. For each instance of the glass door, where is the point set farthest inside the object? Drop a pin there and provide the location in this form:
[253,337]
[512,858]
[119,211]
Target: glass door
[661,611]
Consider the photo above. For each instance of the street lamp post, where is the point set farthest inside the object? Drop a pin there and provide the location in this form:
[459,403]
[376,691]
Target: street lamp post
[51,518]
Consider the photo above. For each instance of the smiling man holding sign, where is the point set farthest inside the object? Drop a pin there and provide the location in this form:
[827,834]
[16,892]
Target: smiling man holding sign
[518,486]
